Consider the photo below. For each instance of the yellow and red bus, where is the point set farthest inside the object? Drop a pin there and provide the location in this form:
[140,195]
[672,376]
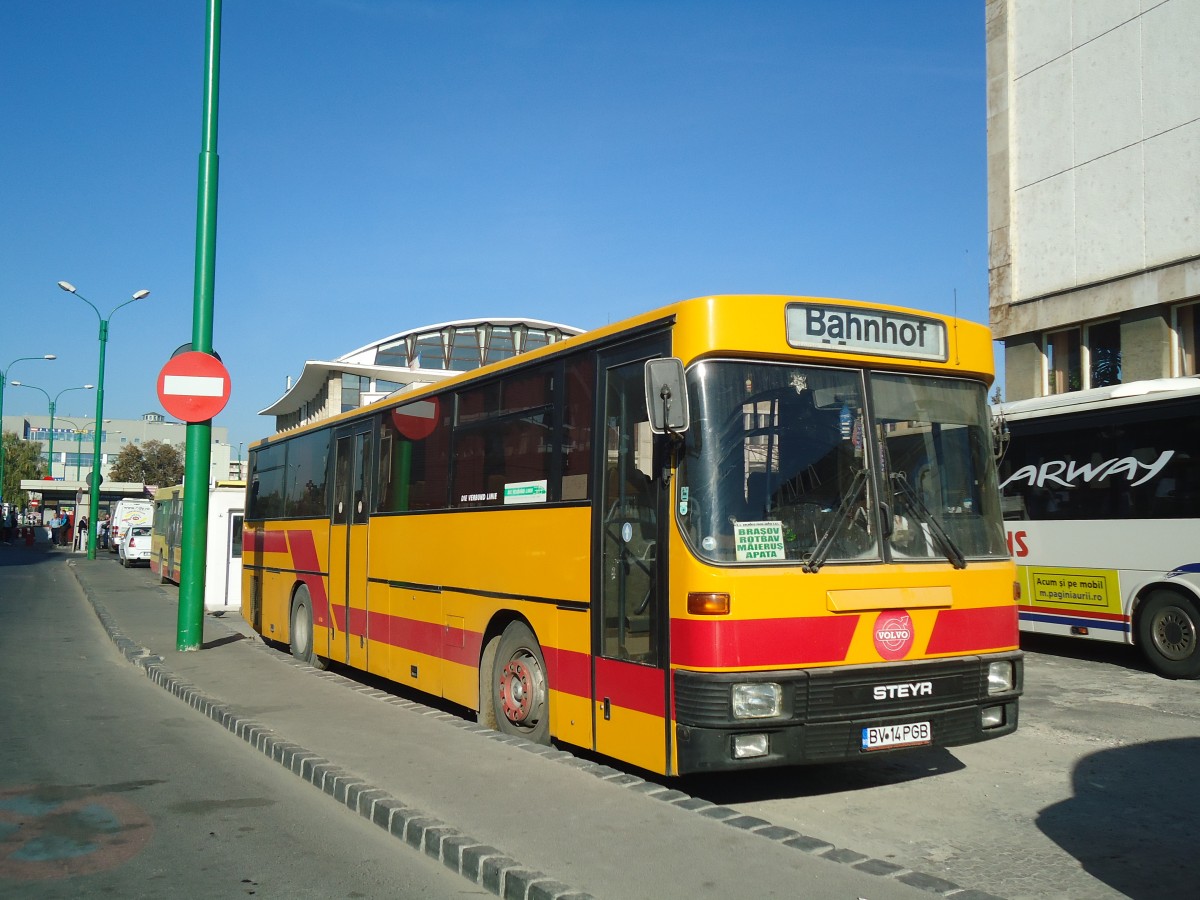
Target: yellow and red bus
[736,531]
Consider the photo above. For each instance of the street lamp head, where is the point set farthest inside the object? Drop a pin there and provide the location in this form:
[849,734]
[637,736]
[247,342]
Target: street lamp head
[141,295]
[49,356]
[88,387]
[67,286]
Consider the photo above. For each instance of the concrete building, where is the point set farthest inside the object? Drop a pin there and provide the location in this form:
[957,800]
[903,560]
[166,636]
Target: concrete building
[74,437]
[1093,190]
[404,361]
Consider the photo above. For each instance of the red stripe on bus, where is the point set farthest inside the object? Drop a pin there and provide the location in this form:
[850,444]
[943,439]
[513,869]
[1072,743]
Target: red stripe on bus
[630,686]
[971,630]
[265,541]
[455,645]
[304,557]
[1081,613]
[764,643]
[568,671]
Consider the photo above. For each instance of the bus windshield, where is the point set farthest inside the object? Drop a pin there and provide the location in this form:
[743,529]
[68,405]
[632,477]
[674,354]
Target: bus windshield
[787,463]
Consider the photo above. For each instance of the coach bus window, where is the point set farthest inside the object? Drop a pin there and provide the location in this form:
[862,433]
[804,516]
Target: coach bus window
[504,442]
[413,455]
[938,474]
[776,465]
[307,458]
[267,467]
[1124,463]
[577,427]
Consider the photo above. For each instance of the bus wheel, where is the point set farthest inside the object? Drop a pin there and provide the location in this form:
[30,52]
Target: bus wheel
[162,570]
[1168,630]
[302,630]
[520,700]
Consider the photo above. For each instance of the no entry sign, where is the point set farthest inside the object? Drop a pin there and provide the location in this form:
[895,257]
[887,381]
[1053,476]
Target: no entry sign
[193,386]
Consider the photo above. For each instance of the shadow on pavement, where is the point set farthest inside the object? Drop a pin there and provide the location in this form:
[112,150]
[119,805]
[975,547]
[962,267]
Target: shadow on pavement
[1133,821]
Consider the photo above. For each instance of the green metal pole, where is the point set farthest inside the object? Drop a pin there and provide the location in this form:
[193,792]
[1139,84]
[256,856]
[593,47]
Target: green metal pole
[194,544]
[94,486]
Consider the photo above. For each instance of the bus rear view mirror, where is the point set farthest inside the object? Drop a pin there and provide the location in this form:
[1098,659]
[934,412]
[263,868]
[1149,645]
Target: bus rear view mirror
[666,396]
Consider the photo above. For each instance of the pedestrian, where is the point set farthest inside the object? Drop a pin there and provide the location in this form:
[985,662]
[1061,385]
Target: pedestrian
[102,536]
[81,531]
[10,526]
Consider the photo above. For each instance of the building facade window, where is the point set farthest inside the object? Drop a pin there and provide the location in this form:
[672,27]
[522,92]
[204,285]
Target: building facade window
[1063,370]
[352,389]
[1104,353]
[1081,358]
[1186,328]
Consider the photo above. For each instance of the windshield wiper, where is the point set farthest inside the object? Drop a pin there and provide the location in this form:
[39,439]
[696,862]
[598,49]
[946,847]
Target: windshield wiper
[817,558]
[949,548]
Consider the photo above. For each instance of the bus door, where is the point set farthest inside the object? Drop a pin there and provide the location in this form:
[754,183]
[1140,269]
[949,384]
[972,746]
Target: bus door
[348,544]
[629,683]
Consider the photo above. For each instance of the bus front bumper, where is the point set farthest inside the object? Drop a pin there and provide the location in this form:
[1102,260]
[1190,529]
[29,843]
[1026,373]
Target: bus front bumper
[844,713]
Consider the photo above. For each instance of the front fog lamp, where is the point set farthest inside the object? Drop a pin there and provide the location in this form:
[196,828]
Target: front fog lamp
[748,746]
[1000,677]
[993,717]
[757,700]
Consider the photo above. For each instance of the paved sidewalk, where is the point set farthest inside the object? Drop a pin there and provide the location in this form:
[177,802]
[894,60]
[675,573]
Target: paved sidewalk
[520,820]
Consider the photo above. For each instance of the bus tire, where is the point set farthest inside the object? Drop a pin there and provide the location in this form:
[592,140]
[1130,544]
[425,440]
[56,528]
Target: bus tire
[519,696]
[162,570]
[1168,631]
[486,716]
[302,630]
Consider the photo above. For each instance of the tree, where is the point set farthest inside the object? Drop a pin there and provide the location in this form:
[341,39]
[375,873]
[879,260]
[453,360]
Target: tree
[22,460]
[155,462]
[164,463]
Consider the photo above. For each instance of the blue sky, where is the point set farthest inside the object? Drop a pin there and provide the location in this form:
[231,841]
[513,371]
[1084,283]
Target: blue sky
[387,164]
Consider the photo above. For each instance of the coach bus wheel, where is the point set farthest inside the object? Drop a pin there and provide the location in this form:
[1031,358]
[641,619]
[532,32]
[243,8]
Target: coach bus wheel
[1168,630]
[519,696]
[162,570]
[302,630]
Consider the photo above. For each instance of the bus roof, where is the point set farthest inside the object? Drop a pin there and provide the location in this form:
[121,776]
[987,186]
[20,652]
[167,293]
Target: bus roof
[716,325]
[1151,390]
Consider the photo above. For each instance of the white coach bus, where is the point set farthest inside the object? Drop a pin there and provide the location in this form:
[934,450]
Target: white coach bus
[1101,492]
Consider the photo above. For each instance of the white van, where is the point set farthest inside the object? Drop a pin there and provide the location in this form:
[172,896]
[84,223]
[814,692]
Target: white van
[129,511]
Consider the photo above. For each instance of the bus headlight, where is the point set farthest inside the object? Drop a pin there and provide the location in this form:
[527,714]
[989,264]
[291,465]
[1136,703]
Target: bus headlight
[1000,677]
[757,700]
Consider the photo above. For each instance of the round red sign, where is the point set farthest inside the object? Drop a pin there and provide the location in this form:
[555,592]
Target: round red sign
[417,420]
[193,386]
[893,634]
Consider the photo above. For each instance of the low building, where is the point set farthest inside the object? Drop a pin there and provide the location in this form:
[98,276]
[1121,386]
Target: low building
[404,361]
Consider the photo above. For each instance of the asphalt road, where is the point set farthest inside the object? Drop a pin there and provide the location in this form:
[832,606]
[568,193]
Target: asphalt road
[111,787]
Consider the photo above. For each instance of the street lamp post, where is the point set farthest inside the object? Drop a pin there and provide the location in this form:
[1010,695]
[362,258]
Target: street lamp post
[3,382]
[53,401]
[94,490]
[79,447]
